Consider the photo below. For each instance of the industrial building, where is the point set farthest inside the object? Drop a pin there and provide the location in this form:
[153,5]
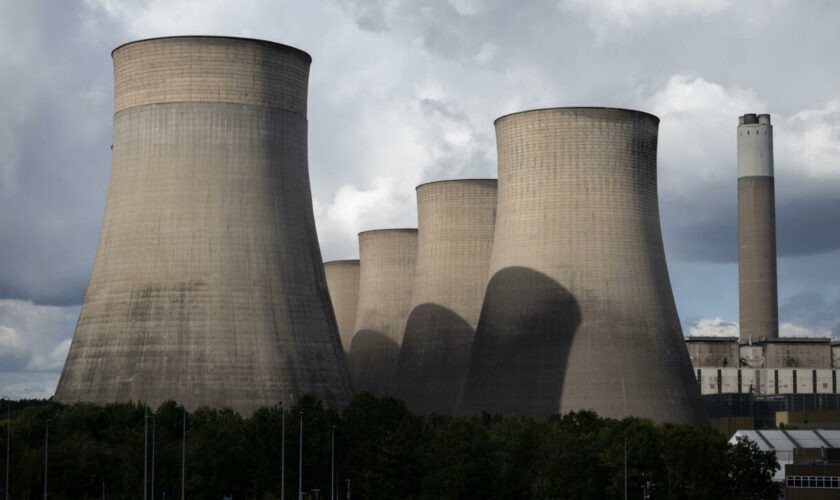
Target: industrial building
[578,312]
[208,286]
[456,219]
[343,284]
[387,260]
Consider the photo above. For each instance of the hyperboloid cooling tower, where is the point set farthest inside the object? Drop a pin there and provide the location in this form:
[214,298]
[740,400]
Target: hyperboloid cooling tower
[208,283]
[758,290]
[387,259]
[343,284]
[578,312]
[455,221]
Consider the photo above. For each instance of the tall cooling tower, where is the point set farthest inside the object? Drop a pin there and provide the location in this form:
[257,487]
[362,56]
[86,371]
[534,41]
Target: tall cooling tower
[208,283]
[759,303]
[387,259]
[455,220]
[578,312]
[343,284]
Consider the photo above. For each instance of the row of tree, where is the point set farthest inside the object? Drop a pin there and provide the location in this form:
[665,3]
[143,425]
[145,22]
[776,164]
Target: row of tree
[384,451]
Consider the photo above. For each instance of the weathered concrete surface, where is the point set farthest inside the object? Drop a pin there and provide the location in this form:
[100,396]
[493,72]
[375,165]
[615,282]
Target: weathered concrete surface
[387,260]
[208,277]
[579,313]
[343,284]
[758,285]
[455,221]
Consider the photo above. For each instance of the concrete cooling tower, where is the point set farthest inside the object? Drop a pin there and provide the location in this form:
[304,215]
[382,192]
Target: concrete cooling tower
[208,283]
[758,289]
[343,284]
[455,221]
[387,259]
[578,312]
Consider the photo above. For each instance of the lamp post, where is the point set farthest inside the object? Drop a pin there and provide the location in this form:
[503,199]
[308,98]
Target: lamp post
[154,426]
[8,440]
[300,460]
[46,456]
[145,434]
[282,452]
[184,453]
[332,467]
[625,468]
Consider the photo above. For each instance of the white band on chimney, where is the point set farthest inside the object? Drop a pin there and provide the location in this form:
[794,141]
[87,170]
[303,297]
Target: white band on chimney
[755,146]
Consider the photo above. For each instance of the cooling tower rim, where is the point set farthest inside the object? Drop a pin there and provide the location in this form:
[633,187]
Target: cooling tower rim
[582,108]
[342,262]
[476,179]
[259,41]
[390,230]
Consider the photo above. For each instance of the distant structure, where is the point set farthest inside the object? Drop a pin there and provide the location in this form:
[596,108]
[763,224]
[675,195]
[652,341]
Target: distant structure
[387,258]
[455,220]
[208,283]
[758,289]
[578,312]
[343,284]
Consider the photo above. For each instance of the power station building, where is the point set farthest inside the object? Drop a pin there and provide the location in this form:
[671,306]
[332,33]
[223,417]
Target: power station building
[208,284]
[387,260]
[456,219]
[757,284]
[578,312]
[343,284]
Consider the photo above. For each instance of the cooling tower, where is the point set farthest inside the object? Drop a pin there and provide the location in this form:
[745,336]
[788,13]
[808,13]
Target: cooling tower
[455,221]
[578,312]
[208,282]
[758,292]
[343,284]
[387,258]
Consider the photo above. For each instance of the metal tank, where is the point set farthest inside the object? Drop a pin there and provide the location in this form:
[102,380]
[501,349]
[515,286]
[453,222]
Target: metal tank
[455,221]
[343,284]
[387,259]
[208,285]
[758,288]
[578,312]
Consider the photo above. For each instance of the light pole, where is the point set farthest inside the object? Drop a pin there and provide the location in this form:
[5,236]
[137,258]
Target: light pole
[625,468]
[183,453]
[282,451]
[145,434]
[332,467]
[8,440]
[300,460]
[46,456]
[154,426]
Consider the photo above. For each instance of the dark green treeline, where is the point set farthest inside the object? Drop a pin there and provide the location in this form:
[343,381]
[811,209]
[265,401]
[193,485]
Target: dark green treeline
[385,450]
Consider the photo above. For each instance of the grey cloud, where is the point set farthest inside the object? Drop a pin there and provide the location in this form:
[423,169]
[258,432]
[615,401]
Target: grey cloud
[812,310]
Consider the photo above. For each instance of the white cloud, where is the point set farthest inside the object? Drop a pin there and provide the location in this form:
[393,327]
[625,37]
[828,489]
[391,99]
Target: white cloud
[713,327]
[34,337]
[28,385]
[792,330]
[808,142]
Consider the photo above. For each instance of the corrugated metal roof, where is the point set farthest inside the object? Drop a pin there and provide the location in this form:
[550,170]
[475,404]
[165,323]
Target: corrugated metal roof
[783,443]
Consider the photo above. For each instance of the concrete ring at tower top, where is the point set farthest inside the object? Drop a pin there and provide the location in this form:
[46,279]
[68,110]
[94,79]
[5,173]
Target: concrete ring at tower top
[397,229]
[210,69]
[461,181]
[583,110]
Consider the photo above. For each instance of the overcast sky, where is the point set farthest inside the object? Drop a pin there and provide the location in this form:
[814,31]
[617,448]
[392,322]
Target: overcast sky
[403,92]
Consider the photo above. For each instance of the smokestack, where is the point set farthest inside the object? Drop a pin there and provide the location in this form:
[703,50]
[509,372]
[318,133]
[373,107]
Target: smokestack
[578,312]
[343,284]
[387,259]
[455,220]
[758,288]
[208,283]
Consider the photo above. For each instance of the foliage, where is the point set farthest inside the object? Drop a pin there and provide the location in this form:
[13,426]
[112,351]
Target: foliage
[385,450]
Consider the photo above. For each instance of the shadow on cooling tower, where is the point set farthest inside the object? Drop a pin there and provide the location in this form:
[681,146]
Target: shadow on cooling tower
[433,360]
[371,361]
[518,359]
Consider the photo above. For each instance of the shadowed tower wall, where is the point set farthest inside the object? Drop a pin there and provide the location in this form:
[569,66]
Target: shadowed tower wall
[343,284]
[758,287]
[455,222]
[578,312]
[387,259]
[208,277]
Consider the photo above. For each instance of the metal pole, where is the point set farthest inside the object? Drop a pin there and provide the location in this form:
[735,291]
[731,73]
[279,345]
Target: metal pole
[332,467]
[300,460]
[8,442]
[145,435]
[625,468]
[46,456]
[283,452]
[184,453]
[154,426]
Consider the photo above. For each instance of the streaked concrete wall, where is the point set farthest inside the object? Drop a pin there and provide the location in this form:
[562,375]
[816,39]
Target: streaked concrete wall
[456,219]
[208,277]
[387,259]
[343,284]
[579,312]
[758,286]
